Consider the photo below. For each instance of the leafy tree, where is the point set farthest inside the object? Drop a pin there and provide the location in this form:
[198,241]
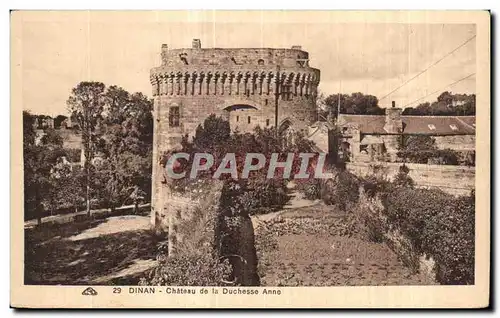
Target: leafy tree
[446,104]
[116,101]
[29,134]
[356,103]
[86,105]
[215,130]
[445,98]
[39,160]
[403,179]
[126,143]
[70,187]
[58,120]
[423,149]
[419,143]
[52,138]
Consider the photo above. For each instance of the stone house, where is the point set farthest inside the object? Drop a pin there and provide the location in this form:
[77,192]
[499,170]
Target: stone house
[377,137]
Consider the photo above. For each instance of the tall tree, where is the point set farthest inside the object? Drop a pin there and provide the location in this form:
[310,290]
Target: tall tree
[58,120]
[39,158]
[86,105]
[214,131]
[446,104]
[356,104]
[126,142]
[446,98]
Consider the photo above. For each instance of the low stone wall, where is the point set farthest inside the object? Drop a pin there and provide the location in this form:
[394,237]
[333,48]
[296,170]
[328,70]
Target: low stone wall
[456,180]
[195,217]
[456,142]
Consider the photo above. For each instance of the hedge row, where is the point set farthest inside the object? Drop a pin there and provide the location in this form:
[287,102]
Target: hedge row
[438,225]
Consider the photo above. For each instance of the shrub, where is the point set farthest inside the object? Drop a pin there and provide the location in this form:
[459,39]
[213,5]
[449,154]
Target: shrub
[364,225]
[449,238]
[438,225]
[364,221]
[432,156]
[196,269]
[467,158]
[419,222]
[263,194]
[402,179]
[448,156]
[374,184]
[343,191]
[418,143]
[73,154]
[311,188]
[411,209]
[243,197]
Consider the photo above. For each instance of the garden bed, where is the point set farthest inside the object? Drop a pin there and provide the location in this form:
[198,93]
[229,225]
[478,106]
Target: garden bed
[313,247]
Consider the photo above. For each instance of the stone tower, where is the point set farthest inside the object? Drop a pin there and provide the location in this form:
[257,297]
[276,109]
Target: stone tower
[249,87]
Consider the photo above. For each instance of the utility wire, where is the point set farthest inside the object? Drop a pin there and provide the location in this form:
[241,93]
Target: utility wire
[425,70]
[441,89]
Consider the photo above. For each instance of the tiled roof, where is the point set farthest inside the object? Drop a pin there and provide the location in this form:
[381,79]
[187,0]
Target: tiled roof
[439,125]
[369,124]
[428,125]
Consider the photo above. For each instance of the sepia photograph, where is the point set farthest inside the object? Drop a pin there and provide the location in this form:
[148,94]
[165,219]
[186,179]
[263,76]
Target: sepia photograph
[239,153]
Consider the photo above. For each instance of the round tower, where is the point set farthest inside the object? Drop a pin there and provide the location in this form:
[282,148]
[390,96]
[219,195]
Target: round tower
[249,87]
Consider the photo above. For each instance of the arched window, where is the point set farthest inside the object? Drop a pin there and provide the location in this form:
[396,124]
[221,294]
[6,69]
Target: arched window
[174,117]
[261,62]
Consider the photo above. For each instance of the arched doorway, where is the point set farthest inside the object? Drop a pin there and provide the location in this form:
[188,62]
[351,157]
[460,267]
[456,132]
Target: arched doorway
[242,117]
[286,132]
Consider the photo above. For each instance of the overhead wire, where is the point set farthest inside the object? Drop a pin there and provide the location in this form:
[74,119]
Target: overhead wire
[430,66]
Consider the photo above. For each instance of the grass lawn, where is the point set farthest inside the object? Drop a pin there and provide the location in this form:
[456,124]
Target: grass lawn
[80,253]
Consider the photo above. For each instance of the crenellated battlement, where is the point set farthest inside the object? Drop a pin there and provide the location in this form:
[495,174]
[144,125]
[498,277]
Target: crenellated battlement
[234,57]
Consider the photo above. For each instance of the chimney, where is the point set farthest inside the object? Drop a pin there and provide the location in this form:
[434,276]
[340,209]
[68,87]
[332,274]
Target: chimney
[393,121]
[196,44]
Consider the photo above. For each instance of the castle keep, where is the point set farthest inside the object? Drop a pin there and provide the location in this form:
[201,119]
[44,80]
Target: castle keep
[249,87]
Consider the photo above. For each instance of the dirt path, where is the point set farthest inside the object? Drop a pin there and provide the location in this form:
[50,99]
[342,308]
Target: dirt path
[116,250]
[70,217]
[114,225]
[296,201]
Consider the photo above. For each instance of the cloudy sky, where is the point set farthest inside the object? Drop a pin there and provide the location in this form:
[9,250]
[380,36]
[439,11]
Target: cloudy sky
[60,49]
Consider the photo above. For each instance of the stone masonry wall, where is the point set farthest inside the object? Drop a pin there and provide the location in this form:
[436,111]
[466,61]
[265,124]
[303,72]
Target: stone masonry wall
[195,217]
[456,180]
[456,142]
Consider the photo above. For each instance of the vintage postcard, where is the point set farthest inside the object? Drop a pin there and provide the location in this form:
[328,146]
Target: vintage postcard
[250,159]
